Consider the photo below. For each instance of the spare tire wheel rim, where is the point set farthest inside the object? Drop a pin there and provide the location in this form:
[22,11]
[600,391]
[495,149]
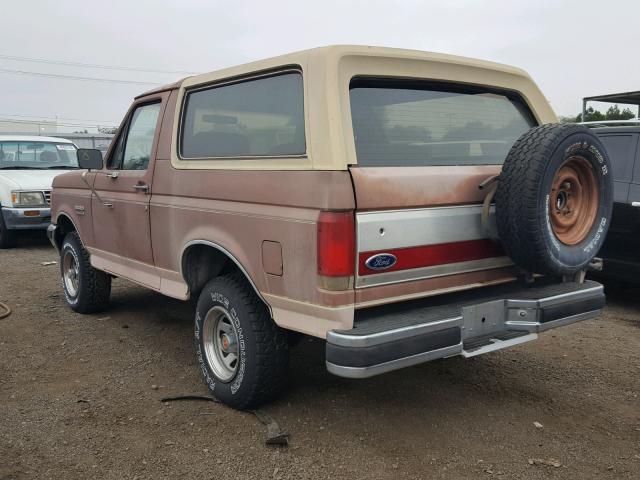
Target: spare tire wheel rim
[573,205]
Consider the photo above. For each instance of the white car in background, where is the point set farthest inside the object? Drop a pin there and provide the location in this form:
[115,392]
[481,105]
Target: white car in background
[27,168]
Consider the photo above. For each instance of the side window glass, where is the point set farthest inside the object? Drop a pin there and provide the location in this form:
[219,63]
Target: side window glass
[133,150]
[115,161]
[255,118]
[8,153]
[621,149]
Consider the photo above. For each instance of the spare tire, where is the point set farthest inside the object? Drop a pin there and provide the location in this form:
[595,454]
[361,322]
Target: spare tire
[554,199]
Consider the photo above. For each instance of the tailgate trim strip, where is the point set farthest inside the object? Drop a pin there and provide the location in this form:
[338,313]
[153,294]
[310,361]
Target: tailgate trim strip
[434,255]
[399,276]
[420,226]
[396,230]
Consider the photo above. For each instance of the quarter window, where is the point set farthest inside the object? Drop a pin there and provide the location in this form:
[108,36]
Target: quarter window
[263,117]
[134,146]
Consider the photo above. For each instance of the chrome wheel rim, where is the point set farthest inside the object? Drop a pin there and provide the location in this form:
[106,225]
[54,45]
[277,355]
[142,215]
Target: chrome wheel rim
[220,340]
[70,273]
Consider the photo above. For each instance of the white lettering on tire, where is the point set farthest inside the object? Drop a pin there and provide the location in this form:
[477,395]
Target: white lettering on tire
[237,381]
[205,373]
[552,235]
[219,298]
[197,330]
[596,238]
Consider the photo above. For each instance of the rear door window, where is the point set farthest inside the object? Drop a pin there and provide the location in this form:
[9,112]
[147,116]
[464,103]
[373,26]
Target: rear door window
[418,123]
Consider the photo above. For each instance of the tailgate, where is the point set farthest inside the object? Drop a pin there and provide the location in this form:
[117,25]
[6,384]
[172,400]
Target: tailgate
[423,148]
[418,223]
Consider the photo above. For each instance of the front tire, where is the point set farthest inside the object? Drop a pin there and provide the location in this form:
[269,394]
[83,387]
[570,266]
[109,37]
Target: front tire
[86,289]
[242,353]
[7,237]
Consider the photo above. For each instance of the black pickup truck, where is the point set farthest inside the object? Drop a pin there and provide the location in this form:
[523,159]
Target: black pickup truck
[621,250]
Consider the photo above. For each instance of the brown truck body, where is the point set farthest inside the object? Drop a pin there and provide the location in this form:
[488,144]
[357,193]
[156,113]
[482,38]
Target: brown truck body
[174,224]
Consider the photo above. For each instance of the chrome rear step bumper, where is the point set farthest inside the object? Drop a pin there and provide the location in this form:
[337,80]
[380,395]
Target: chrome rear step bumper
[471,323]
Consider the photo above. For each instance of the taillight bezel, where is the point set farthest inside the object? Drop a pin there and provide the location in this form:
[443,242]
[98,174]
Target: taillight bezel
[336,244]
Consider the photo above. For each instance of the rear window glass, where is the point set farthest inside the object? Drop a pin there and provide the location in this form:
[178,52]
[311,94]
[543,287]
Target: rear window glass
[261,117]
[413,123]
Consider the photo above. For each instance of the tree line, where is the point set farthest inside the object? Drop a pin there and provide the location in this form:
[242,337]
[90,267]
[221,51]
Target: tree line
[592,115]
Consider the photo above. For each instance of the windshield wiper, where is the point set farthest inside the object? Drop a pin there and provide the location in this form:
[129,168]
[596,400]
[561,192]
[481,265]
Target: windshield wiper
[62,167]
[20,167]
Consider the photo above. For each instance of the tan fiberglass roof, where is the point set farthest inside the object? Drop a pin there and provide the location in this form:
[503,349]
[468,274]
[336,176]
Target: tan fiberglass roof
[327,73]
[338,51]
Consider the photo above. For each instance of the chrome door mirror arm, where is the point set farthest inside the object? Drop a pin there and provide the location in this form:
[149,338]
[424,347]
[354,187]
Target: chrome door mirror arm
[84,178]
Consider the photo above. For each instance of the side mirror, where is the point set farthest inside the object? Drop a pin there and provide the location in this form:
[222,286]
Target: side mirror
[89,158]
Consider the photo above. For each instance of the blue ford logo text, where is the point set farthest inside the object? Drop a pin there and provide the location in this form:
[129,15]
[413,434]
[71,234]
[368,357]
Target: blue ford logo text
[381,261]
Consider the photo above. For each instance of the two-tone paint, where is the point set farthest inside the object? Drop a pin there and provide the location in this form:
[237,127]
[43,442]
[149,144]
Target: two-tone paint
[262,213]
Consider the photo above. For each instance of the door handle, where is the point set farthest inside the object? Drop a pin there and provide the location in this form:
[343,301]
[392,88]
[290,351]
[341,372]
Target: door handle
[141,187]
[112,175]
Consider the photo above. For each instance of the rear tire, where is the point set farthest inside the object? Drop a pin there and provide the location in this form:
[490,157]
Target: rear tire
[7,237]
[554,199]
[86,289]
[242,353]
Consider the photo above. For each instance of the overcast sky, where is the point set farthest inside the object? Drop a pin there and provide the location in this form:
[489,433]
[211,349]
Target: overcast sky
[572,48]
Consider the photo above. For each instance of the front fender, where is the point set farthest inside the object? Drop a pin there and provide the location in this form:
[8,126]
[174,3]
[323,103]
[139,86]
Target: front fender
[6,186]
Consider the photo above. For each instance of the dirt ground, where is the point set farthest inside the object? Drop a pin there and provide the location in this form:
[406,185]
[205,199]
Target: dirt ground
[80,398]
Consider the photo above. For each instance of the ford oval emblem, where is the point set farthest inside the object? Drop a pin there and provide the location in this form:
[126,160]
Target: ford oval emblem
[381,261]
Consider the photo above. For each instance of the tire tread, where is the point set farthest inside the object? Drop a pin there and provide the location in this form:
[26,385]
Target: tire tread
[271,343]
[95,284]
[7,237]
[518,211]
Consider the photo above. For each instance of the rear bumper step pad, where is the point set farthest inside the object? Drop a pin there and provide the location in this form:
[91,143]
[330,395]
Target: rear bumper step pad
[468,324]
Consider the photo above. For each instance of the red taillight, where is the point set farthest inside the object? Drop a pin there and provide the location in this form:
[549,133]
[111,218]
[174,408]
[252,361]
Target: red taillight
[336,244]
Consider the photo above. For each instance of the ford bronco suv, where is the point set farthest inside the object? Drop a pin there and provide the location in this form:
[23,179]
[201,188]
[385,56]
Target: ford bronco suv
[404,206]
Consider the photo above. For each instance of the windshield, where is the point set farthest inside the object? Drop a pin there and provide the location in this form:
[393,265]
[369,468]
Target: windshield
[416,123]
[37,155]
